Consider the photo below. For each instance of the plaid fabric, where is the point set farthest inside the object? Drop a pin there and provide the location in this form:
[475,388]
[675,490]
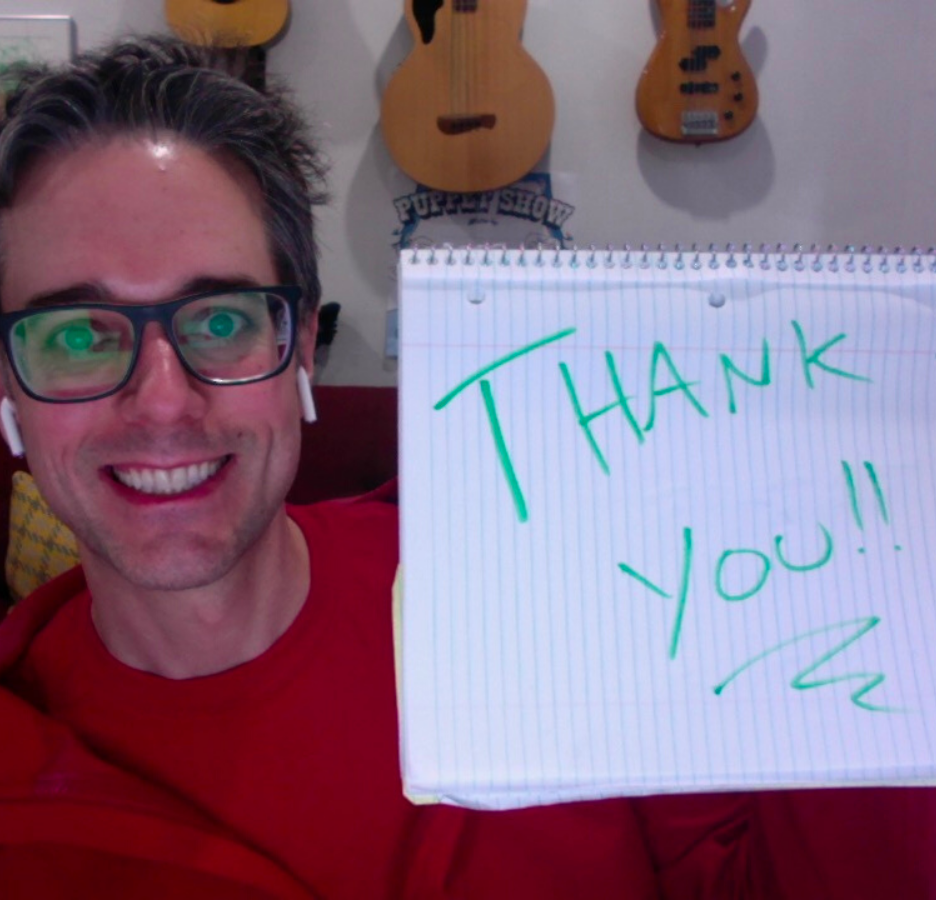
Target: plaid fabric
[41,546]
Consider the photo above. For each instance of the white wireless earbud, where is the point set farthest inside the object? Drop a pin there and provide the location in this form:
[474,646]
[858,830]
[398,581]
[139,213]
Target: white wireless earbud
[10,427]
[305,395]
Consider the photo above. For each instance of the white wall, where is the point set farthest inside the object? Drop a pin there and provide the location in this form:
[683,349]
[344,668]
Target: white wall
[96,20]
[841,151]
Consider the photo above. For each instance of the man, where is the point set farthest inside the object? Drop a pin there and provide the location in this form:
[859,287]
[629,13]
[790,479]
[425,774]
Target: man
[211,694]
[206,707]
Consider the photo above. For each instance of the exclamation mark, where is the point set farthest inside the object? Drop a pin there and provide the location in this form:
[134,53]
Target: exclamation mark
[853,496]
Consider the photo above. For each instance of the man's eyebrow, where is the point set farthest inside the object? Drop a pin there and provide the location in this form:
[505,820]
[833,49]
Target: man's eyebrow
[94,292]
[86,292]
[205,283]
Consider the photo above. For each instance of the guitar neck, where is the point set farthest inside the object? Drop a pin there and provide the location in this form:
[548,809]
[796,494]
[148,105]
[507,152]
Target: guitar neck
[700,14]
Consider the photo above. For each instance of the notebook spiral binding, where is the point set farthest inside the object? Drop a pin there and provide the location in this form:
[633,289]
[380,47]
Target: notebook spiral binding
[764,257]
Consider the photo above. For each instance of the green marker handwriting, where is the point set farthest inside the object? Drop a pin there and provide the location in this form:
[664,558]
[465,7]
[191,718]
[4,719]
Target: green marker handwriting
[490,408]
[738,573]
[729,368]
[852,485]
[502,361]
[812,359]
[721,591]
[803,680]
[665,379]
[681,595]
[660,353]
[502,453]
[585,420]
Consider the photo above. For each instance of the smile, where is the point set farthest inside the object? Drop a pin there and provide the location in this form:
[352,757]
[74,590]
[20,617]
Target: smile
[176,480]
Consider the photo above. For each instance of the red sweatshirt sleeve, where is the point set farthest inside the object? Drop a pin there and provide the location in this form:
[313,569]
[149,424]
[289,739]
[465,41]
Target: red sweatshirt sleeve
[822,844]
[707,846]
[851,843]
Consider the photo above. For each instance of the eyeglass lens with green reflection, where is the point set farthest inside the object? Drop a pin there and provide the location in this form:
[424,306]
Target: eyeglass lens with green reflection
[85,351]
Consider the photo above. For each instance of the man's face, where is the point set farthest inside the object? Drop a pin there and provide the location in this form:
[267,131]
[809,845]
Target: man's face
[138,221]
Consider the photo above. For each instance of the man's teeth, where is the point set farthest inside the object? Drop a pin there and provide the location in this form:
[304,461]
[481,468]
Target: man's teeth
[167,481]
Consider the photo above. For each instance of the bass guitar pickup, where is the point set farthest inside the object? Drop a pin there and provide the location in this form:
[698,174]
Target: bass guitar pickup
[691,88]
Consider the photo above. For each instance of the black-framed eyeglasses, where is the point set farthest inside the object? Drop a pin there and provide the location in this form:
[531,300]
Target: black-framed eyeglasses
[85,351]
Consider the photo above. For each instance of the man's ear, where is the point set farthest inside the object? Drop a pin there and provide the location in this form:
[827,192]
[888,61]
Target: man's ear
[306,339]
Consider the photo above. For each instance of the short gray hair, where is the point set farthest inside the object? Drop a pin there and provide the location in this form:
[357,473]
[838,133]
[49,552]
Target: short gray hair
[155,84]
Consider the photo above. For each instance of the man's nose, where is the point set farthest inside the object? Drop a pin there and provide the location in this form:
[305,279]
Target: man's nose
[160,390]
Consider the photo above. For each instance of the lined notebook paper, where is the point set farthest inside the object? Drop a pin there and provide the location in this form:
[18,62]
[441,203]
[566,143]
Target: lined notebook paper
[669,522]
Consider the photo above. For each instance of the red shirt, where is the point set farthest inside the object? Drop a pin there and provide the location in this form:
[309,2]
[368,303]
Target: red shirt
[291,760]
[296,752]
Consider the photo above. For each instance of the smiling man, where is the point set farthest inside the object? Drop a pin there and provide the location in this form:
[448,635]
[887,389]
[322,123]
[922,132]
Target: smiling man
[206,707]
[173,484]
[211,693]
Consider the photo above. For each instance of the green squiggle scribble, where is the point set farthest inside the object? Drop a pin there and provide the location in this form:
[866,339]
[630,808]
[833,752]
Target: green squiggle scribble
[799,682]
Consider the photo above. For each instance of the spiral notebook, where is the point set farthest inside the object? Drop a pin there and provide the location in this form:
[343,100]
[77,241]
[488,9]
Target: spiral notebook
[669,522]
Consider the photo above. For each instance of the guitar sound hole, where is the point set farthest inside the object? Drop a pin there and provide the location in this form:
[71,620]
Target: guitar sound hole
[224,2]
[464,124]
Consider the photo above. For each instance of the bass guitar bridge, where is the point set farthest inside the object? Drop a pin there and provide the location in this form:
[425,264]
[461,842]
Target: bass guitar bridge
[700,123]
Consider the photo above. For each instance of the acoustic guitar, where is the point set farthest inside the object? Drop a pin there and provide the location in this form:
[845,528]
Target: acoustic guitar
[469,109]
[237,29]
[697,85]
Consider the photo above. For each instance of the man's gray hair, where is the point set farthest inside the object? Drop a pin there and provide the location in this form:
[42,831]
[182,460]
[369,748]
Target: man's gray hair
[157,85]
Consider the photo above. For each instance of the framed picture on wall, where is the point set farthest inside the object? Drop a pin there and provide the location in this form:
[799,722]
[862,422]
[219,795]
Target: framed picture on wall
[33,39]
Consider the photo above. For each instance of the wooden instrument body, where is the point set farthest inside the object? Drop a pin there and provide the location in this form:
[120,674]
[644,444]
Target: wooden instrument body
[469,109]
[697,86]
[227,23]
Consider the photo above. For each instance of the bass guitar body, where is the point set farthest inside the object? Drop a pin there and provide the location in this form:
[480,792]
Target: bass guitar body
[697,85]
[469,109]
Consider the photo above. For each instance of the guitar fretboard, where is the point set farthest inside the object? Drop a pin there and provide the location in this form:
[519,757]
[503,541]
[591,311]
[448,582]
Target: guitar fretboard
[701,13]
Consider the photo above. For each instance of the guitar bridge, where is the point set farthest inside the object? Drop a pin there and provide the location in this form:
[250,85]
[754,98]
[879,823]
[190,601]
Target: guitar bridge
[464,124]
[700,123]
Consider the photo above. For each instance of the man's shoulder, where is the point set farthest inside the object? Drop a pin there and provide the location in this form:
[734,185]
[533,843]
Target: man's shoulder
[33,613]
[356,536]
[374,514]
